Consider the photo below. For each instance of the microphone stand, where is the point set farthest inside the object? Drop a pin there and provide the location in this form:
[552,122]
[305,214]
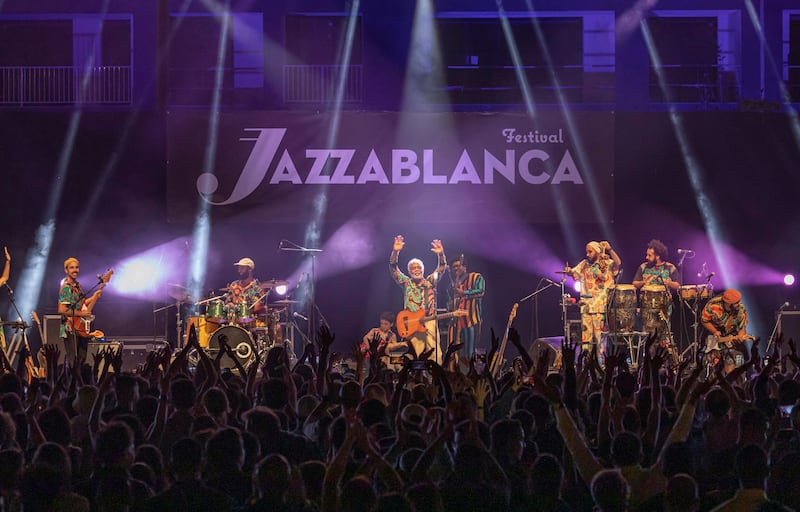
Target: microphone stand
[563,302]
[312,284]
[778,318]
[16,340]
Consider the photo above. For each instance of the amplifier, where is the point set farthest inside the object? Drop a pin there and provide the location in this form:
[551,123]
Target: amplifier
[136,348]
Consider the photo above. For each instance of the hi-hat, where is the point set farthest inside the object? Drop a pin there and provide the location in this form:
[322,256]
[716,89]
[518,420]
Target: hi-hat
[286,301]
[179,292]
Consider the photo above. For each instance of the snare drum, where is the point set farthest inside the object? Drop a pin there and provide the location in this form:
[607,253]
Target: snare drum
[654,296]
[204,327]
[215,311]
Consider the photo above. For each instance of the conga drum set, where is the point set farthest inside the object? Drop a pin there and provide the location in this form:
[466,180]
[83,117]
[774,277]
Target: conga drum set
[649,311]
[248,329]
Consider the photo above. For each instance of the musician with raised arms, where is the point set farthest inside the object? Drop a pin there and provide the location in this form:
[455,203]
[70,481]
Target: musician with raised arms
[74,308]
[419,297]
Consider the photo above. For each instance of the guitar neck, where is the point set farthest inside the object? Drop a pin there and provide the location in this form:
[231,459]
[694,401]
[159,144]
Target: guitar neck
[442,316]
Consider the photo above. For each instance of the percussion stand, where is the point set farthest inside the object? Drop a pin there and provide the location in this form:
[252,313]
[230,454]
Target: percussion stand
[695,343]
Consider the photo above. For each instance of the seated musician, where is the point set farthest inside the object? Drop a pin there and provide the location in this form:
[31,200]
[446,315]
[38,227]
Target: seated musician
[725,317]
[389,341]
[245,290]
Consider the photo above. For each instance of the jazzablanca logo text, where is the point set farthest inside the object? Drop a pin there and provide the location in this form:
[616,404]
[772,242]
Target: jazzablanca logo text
[349,167]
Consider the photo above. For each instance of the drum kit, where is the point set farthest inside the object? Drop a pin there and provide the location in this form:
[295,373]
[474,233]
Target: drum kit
[248,329]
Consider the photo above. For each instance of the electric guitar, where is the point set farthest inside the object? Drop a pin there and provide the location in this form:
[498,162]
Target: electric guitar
[411,322]
[724,342]
[82,324]
[497,361]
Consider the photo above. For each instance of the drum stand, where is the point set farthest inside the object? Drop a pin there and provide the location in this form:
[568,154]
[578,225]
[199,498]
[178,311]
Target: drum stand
[694,346]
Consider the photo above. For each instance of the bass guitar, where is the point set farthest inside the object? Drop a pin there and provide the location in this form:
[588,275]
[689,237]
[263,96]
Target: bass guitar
[411,322]
[82,324]
[497,360]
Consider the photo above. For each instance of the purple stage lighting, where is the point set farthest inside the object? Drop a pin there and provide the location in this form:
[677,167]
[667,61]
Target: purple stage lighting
[788,279]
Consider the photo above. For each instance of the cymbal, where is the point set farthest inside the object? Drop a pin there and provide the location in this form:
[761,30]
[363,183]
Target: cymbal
[179,292]
[567,272]
[226,289]
[286,301]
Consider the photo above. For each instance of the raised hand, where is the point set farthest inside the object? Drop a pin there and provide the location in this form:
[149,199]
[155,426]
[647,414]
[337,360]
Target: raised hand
[324,336]
[8,255]
[568,349]
[659,357]
[399,243]
[514,338]
[436,247]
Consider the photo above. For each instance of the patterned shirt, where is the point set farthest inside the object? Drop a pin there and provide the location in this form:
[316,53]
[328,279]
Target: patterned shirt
[71,294]
[728,323]
[239,294]
[656,274]
[472,301]
[418,295]
[595,280]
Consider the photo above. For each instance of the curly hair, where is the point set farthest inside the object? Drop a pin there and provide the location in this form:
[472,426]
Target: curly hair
[659,248]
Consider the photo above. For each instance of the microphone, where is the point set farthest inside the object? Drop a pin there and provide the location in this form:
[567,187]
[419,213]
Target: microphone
[708,279]
[551,282]
[10,291]
[784,306]
[99,277]
[301,317]
[685,251]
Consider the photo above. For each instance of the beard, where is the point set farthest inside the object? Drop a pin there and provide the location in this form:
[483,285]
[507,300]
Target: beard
[650,264]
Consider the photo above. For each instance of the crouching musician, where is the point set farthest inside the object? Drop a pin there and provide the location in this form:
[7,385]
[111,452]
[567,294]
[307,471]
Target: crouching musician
[725,319]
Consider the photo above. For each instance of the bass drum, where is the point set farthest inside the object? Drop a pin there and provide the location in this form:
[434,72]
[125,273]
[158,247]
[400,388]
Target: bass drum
[240,342]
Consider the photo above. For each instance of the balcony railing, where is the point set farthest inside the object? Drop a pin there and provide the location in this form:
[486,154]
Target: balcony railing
[65,85]
[319,84]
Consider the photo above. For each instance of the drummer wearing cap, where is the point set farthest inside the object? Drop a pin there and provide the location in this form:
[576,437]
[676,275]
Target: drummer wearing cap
[245,290]
[725,315]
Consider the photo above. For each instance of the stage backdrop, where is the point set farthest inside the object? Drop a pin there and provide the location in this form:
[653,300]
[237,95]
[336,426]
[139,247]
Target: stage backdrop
[399,167]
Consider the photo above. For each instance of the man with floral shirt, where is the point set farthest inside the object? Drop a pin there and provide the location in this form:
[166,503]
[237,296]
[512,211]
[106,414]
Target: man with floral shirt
[725,316]
[244,297]
[656,279]
[596,274]
[419,294]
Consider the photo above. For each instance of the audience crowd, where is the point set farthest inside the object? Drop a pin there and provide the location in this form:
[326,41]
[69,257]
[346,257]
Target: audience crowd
[184,433]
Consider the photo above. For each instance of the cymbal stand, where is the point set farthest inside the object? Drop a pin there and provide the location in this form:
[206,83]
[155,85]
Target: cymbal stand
[178,321]
[313,310]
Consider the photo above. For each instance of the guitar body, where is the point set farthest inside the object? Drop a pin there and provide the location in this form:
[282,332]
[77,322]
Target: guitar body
[411,322]
[82,325]
[724,342]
